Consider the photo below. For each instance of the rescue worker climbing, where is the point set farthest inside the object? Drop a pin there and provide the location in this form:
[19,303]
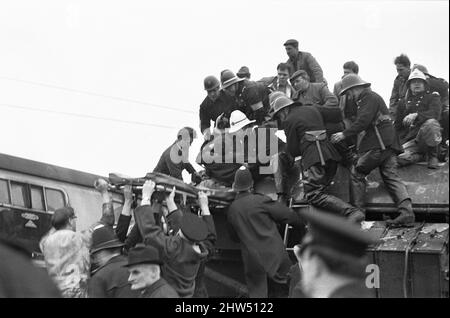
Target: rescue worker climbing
[378,146]
[306,137]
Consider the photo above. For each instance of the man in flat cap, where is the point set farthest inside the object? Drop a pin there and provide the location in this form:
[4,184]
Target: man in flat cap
[144,266]
[332,257]
[183,250]
[254,218]
[299,60]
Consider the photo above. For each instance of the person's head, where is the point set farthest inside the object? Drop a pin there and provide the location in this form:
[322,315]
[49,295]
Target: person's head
[143,266]
[279,107]
[300,80]
[291,47]
[283,72]
[403,65]
[417,82]
[104,245]
[350,68]
[243,72]
[353,86]
[333,247]
[186,135]
[230,82]
[212,87]
[243,180]
[64,218]
[192,228]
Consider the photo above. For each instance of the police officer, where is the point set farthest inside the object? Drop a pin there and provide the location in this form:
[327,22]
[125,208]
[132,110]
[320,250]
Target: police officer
[252,97]
[378,146]
[417,120]
[254,219]
[306,137]
[216,104]
[332,258]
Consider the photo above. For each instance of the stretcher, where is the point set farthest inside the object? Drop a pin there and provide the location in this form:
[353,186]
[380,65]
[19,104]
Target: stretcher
[165,183]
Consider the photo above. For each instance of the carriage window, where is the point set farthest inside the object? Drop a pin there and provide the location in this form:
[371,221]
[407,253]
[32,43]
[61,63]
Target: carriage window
[55,199]
[37,198]
[4,192]
[19,193]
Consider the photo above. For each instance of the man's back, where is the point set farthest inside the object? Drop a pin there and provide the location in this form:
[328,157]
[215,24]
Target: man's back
[254,219]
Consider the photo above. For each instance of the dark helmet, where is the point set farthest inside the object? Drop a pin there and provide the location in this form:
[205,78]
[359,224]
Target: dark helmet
[228,78]
[211,82]
[243,180]
[352,80]
[278,102]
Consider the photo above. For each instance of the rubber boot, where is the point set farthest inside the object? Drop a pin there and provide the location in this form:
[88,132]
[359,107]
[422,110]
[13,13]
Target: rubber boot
[433,162]
[406,216]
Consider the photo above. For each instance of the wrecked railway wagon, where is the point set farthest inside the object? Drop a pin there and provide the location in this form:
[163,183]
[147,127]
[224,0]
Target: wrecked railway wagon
[31,191]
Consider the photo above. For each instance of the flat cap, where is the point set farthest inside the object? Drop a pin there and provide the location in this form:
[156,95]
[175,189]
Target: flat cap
[292,42]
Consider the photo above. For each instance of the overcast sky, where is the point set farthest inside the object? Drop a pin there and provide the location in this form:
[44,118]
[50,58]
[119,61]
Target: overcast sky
[142,64]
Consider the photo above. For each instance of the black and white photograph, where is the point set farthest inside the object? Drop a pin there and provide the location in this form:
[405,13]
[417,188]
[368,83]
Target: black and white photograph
[224,154]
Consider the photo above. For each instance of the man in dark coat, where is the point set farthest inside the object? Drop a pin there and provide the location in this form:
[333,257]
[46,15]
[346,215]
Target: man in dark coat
[378,147]
[299,60]
[254,219]
[216,104]
[19,278]
[110,280]
[319,158]
[252,97]
[333,258]
[183,251]
[175,159]
[417,121]
[403,66]
[145,273]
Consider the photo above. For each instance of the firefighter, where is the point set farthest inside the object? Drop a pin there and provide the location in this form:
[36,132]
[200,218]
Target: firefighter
[306,137]
[252,97]
[439,85]
[254,219]
[332,258]
[216,105]
[378,146]
[417,121]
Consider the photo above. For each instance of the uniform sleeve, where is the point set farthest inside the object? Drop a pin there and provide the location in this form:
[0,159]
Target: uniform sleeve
[133,238]
[153,234]
[293,142]
[122,227]
[400,114]
[282,214]
[211,238]
[315,68]
[434,110]
[205,121]
[366,116]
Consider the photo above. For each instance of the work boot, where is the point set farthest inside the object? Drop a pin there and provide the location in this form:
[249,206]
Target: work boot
[433,162]
[406,216]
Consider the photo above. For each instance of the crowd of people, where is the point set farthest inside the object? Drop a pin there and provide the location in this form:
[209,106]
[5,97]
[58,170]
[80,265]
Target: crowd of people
[164,253]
